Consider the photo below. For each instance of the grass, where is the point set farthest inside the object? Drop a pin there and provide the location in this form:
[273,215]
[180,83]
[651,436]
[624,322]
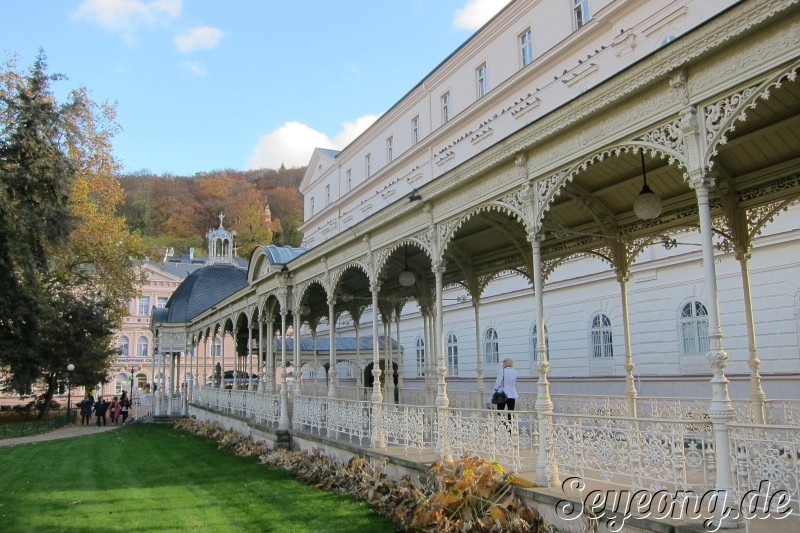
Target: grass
[152,478]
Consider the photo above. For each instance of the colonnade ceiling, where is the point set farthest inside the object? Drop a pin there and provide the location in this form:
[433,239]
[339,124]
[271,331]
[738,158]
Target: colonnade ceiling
[760,157]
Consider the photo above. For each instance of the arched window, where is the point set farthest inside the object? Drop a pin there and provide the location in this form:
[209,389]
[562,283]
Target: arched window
[600,335]
[452,354]
[535,339]
[694,328]
[142,346]
[668,38]
[420,349]
[491,348]
[217,351]
[123,346]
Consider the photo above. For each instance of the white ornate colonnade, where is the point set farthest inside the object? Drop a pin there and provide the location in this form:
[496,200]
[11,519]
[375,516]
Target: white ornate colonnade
[562,188]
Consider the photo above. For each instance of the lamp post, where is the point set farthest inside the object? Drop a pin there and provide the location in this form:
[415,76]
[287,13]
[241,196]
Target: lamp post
[132,378]
[70,368]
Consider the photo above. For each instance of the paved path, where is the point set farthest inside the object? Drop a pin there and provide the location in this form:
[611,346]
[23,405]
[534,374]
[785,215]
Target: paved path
[73,430]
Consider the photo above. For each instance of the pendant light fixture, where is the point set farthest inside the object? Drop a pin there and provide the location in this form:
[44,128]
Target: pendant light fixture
[647,205]
[406,278]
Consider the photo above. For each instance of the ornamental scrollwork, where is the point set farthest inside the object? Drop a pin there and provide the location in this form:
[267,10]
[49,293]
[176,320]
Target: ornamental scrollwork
[669,135]
[718,114]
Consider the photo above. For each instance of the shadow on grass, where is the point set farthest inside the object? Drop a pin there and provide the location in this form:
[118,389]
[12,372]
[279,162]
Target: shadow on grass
[153,478]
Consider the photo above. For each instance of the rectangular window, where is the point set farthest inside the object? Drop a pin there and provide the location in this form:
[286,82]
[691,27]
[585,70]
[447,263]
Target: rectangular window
[581,11]
[482,79]
[389,149]
[312,206]
[367,166]
[327,195]
[142,347]
[162,302]
[144,306]
[526,47]
[415,130]
[445,107]
[349,179]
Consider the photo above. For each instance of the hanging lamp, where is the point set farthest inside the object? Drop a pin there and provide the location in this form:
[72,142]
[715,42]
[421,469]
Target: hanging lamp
[647,205]
[406,278]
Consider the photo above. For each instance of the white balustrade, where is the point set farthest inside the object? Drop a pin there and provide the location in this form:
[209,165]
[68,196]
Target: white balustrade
[508,437]
[766,458]
[588,405]
[142,406]
[635,453]
[411,427]
[309,413]
[350,419]
[589,436]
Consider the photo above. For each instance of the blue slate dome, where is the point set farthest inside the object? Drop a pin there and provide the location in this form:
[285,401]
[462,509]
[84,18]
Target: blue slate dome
[202,289]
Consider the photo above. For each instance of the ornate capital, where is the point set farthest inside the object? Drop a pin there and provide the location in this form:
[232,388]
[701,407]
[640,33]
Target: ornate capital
[718,359]
[542,366]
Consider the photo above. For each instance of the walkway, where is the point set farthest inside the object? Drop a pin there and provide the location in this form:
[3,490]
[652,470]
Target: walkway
[60,433]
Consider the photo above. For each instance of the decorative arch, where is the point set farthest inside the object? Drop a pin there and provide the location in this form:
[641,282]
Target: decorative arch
[302,290]
[721,116]
[664,142]
[494,206]
[338,272]
[382,259]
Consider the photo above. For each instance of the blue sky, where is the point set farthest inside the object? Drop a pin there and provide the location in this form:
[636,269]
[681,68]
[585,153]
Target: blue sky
[202,85]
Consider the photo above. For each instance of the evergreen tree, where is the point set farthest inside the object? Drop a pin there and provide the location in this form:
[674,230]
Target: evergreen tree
[35,180]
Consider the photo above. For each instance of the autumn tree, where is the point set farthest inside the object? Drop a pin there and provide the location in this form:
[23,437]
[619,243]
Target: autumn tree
[59,197]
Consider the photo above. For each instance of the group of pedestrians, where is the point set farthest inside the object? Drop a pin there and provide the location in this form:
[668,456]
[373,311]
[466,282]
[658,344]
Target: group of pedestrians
[115,409]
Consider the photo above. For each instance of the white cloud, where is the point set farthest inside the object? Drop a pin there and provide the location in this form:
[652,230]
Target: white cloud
[292,144]
[200,38]
[477,13]
[196,68]
[126,16]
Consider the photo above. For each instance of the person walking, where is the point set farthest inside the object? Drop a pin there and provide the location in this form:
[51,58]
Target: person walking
[87,406]
[507,382]
[124,406]
[100,410]
[114,410]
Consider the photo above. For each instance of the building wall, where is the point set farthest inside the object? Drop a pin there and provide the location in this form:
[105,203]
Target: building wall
[567,61]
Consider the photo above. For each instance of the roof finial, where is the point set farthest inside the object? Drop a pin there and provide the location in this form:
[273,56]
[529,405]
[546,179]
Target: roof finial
[220,217]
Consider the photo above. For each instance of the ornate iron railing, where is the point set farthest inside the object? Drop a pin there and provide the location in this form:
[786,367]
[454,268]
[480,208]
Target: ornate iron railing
[508,437]
[766,458]
[636,453]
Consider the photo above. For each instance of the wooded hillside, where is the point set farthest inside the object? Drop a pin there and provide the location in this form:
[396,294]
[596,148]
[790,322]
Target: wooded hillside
[264,206]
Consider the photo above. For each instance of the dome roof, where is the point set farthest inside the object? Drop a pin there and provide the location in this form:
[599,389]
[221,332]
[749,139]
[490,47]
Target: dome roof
[202,289]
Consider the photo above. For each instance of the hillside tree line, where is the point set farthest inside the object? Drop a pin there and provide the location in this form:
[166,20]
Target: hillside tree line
[264,206]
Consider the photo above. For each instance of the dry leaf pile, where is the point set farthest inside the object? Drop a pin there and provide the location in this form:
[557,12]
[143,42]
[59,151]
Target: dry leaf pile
[470,494]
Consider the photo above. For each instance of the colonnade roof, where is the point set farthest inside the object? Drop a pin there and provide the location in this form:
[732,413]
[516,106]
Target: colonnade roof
[282,254]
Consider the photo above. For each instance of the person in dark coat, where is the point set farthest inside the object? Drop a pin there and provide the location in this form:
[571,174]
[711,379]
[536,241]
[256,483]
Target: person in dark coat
[124,406]
[87,407]
[100,410]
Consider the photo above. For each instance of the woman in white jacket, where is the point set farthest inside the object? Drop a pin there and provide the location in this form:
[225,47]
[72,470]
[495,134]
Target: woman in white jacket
[507,382]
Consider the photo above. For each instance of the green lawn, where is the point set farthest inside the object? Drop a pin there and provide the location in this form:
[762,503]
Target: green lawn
[153,478]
